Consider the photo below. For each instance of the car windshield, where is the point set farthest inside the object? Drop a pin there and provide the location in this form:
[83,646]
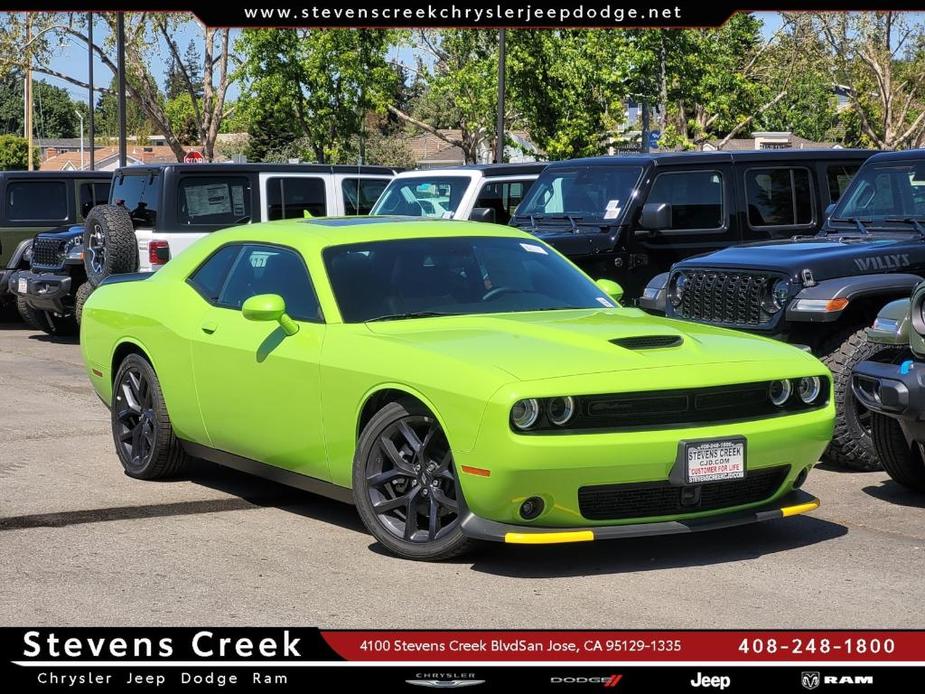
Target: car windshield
[581,193]
[893,193]
[422,196]
[412,278]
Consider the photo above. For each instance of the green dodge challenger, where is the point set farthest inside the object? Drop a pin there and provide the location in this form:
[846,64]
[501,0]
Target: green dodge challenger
[456,381]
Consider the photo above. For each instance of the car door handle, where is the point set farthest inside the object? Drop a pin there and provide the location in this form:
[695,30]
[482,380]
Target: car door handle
[209,327]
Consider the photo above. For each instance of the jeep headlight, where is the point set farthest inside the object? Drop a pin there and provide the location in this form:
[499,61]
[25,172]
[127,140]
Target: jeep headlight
[74,249]
[776,296]
[676,288]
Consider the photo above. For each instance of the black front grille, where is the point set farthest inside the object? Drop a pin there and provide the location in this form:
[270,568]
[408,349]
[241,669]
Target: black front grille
[649,341]
[725,297]
[47,252]
[616,501]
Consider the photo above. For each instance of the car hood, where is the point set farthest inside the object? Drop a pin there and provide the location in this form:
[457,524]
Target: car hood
[65,233]
[825,257]
[552,344]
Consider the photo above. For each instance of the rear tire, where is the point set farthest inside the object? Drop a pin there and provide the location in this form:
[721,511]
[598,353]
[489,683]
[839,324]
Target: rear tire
[901,461]
[109,242]
[145,441]
[402,474]
[852,445]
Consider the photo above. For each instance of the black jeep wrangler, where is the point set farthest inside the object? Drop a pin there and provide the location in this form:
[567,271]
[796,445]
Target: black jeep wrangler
[628,218]
[36,202]
[821,290]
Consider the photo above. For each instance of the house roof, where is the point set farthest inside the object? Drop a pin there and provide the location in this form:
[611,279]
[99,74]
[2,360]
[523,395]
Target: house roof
[136,154]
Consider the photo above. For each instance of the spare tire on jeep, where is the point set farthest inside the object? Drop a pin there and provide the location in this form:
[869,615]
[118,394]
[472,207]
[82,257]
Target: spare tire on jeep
[110,247]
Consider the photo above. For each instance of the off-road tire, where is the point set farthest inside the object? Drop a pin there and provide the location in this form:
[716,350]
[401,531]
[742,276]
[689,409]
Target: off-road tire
[901,461]
[166,457]
[80,298]
[450,545]
[108,231]
[34,319]
[852,445]
[60,326]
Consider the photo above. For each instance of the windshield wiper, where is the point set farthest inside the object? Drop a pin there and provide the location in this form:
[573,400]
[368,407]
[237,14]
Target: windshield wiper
[410,314]
[908,220]
[854,220]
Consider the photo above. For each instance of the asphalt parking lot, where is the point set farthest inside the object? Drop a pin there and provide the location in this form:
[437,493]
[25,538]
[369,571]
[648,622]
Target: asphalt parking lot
[82,544]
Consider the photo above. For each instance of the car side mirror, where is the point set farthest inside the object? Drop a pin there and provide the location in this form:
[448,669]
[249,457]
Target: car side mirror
[830,208]
[655,216]
[269,307]
[611,289]
[483,214]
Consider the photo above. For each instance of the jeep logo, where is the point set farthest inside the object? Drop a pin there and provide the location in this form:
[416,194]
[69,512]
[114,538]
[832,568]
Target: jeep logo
[892,261]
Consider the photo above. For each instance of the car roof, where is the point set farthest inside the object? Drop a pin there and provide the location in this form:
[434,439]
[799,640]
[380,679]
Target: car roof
[487,170]
[237,168]
[674,158]
[56,174]
[320,232]
[905,155]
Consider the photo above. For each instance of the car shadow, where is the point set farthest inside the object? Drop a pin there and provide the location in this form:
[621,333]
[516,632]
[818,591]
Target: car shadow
[265,493]
[895,493]
[55,339]
[832,467]
[655,553]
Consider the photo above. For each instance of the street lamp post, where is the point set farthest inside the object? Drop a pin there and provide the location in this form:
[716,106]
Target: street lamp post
[499,128]
[81,118]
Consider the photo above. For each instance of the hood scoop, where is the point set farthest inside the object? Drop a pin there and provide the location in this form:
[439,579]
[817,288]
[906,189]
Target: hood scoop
[648,341]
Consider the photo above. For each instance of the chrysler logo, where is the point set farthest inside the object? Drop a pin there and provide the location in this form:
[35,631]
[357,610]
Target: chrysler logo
[445,684]
[809,680]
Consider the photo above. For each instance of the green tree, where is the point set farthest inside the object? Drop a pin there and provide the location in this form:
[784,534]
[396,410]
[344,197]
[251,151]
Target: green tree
[318,85]
[570,87]
[13,155]
[456,88]
[54,112]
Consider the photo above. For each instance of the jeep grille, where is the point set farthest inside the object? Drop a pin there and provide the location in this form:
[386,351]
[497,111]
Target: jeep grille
[47,253]
[725,297]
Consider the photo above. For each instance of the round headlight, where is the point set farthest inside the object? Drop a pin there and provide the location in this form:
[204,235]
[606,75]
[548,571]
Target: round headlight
[809,389]
[525,413]
[779,392]
[676,288]
[776,297]
[560,410]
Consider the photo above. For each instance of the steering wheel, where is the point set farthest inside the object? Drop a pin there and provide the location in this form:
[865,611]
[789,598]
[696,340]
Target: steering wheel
[498,291]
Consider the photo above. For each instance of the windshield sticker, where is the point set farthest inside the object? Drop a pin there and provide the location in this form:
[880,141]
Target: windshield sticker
[209,199]
[237,200]
[533,248]
[605,302]
[613,209]
[447,215]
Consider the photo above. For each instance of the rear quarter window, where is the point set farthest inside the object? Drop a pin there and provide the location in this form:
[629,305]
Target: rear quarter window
[36,201]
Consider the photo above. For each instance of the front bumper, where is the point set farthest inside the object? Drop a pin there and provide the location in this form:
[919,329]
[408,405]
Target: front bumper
[45,291]
[791,504]
[895,390]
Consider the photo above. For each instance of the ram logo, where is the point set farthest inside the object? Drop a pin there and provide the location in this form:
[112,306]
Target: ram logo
[809,680]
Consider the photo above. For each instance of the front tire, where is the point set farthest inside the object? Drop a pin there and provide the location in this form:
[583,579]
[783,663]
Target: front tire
[34,319]
[901,461]
[852,445]
[80,298]
[405,487]
[145,441]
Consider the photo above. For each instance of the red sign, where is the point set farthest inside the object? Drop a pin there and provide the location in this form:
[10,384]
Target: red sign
[193,157]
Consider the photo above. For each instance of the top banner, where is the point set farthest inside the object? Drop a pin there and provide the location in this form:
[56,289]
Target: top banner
[466,14]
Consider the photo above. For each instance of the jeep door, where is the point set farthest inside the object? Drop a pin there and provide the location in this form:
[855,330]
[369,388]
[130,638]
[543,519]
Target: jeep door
[701,219]
[259,388]
[31,205]
[778,201]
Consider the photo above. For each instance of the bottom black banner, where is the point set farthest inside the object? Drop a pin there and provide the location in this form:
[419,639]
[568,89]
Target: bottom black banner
[610,677]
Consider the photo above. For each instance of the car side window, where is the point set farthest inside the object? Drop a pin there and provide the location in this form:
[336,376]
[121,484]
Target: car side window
[840,176]
[360,194]
[91,195]
[29,201]
[503,197]
[292,198]
[779,197]
[264,269]
[696,198]
[209,279]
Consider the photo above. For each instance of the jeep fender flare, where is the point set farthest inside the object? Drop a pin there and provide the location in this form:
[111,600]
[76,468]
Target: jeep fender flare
[16,259]
[887,285]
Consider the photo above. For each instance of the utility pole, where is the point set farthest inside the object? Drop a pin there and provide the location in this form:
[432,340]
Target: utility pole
[80,117]
[27,94]
[644,144]
[499,128]
[92,96]
[120,50]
